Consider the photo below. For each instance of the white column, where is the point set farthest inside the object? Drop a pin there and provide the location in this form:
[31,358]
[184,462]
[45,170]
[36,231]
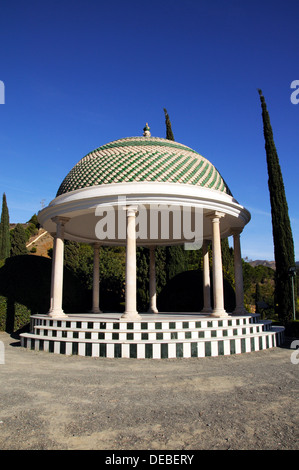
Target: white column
[57,269]
[96,279]
[53,234]
[130,309]
[240,309]
[152,282]
[218,292]
[206,278]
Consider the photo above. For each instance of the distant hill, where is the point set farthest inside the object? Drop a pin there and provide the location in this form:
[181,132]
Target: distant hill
[40,243]
[12,226]
[263,262]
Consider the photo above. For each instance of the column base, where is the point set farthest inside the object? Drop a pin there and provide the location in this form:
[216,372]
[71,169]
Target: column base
[206,310]
[57,314]
[95,310]
[131,316]
[240,311]
[219,313]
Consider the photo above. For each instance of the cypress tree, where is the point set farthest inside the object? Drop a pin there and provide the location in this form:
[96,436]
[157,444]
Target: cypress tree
[4,231]
[281,227]
[169,133]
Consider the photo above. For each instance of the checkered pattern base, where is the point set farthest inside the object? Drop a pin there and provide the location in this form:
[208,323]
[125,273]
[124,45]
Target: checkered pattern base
[165,336]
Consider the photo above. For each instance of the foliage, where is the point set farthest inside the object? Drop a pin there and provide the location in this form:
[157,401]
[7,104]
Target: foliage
[169,133]
[169,263]
[227,261]
[34,221]
[142,258]
[112,277]
[13,316]
[30,231]
[183,293]
[281,227]
[33,227]
[259,281]
[4,230]
[18,240]
[176,261]
[78,258]
[25,285]
[160,257]
[193,259]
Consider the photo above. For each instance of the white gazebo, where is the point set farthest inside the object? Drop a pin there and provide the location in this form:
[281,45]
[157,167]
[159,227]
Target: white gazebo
[145,191]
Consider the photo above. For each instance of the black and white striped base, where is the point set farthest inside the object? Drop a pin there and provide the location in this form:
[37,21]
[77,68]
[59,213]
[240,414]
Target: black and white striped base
[155,336]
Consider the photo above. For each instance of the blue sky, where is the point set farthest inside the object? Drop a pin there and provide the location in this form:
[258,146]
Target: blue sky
[79,74]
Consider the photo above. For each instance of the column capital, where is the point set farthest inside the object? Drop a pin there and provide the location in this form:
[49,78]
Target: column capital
[236,230]
[131,210]
[214,215]
[60,220]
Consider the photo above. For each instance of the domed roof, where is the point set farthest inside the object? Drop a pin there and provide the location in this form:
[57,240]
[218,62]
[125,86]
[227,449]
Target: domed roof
[139,159]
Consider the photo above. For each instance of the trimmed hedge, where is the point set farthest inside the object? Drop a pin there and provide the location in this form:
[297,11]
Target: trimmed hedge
[184,293]
[13,317]
[25,290]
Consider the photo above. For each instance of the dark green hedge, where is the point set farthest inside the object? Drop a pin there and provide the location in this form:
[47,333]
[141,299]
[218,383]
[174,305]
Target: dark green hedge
[184,293]
[25,289]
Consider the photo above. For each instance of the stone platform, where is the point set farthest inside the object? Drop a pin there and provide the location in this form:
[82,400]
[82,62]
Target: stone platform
[156,336]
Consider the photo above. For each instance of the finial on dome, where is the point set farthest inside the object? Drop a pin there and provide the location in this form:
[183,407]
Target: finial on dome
[146,131]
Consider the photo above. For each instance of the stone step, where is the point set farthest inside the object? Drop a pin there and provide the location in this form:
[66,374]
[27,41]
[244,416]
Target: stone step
[186,348]
[165,334]
[144,325]
[154,336]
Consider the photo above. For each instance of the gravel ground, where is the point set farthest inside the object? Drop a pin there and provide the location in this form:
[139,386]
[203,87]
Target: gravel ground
[240,402]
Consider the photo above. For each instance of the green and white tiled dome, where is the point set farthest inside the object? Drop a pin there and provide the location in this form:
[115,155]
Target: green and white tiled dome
[139,159]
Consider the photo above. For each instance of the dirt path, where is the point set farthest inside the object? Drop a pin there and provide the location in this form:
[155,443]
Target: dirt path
[247,401]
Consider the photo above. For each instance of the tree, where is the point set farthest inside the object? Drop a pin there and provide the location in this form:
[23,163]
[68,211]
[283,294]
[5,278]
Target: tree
[257,297]
[78,258]
[32,228]
[142,256]
[18,241]
[228,260]
[4,231]
[169,133]
[34,221]
[281,227]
